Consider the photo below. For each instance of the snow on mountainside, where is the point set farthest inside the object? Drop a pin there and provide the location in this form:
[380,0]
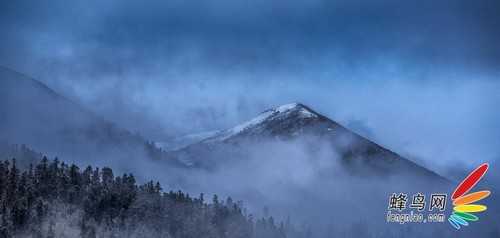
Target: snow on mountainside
[255,126]
[278,113]
[275,114]
[291,122]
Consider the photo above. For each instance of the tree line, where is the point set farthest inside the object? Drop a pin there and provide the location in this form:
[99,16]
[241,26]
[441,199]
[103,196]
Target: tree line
[54,199]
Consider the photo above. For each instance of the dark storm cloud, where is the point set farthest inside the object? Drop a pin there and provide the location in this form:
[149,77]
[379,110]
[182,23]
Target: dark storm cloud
[110,36]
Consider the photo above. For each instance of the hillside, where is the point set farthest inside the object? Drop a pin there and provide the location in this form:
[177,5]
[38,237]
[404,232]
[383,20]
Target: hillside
[300,124]
[35,115]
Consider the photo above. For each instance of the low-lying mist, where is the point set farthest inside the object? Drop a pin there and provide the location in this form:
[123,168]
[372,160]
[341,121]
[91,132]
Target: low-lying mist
[309,184]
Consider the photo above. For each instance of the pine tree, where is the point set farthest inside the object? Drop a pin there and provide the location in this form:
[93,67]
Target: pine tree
[105,205]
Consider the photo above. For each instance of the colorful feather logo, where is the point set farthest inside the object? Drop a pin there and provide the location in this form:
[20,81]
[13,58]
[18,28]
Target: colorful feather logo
[463,206]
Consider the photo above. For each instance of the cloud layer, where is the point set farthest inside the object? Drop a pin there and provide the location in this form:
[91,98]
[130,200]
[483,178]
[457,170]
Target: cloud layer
[419,78]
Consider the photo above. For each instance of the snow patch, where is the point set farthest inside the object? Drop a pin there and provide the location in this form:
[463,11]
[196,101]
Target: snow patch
[286,107]
[239,128]
[295,107]
[307,113]
[276,113]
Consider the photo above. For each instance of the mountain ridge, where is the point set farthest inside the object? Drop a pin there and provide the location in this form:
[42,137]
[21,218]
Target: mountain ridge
[32,113]
[39,112]
[293,121]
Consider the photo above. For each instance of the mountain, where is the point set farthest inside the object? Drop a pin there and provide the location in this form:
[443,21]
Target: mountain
[297,122]
[35,115]
[301,163]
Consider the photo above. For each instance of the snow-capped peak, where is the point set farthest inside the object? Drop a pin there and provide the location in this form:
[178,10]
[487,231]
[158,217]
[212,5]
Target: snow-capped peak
[277,113]
[304,111]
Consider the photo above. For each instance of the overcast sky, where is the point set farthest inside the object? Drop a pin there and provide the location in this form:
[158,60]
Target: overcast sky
[420,77]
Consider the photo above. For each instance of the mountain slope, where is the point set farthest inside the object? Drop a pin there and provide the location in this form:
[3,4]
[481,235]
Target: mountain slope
[297,122]
[33,114]
[179,142]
